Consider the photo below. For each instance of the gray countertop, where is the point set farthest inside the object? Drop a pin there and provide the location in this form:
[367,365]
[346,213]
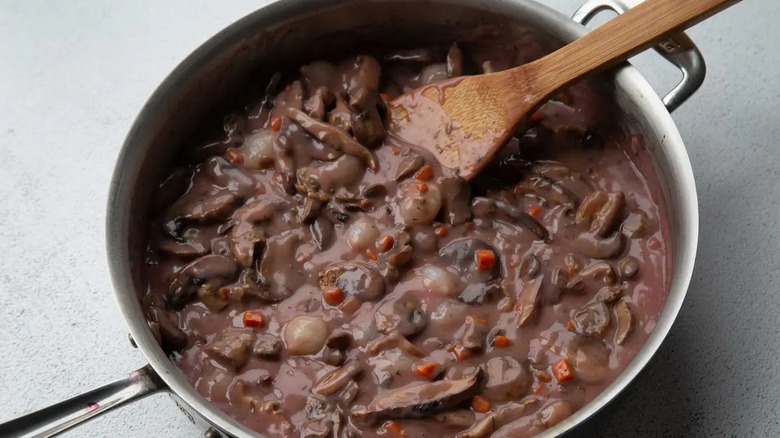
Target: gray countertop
[74,74]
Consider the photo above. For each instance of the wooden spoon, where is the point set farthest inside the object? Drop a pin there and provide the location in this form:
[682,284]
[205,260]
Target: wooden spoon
[465,121]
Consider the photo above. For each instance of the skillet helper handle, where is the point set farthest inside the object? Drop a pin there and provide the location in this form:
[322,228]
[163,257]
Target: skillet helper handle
[57,418]
[678,49]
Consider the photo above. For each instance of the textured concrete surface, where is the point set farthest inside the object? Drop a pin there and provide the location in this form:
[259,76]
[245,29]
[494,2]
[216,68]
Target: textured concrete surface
[73,75]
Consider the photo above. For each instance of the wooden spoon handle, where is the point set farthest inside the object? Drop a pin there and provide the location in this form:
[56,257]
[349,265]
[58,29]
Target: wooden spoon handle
[617,40]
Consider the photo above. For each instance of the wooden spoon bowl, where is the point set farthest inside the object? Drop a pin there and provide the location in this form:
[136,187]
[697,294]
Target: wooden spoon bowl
[465,121]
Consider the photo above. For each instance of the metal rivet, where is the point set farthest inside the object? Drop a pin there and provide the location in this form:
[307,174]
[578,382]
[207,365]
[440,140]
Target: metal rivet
[212,433]
[132,341]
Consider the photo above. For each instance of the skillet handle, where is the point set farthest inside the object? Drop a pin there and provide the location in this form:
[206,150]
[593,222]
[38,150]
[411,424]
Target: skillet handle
[57,418]
[677,49]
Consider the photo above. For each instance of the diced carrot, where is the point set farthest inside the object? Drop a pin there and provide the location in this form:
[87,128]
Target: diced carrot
[544,376]
[429,370]
[276,123]
[395,150]
[501,341]
[480,405]
[392,429]
[371,255]
[365,203]
[254,319]
[421,187]
[563,371]
[384,243]
[333,295]
[519,190]
[538,388]
[569,325]
[235,155]
[425,173]
[224,292]
[485,259]
[441,231]
[385,96]
[534,211]
[461,353]
[260,190]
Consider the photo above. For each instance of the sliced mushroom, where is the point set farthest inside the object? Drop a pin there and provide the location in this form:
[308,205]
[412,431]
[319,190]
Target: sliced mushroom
[401,251]
[232,348]
[367,126]
[507,379]
[460,254]
[364,82]
[590,245]
[599,271]
[323,232]
[245,236]
[166,322]
[309,210]
[454,61]
[487,207]
[354,278]
[292,98]
[606,219]
[421,400]
[394,340]
[186,249]
[590,206]
[333,136]
[279,257]
[636,225]
[496,420]
[318,74]
[473,335]
[624,321]
[348,395]
[211,296]
[529,266]
[316,104]
[305,335]
[609,294]
[456,200]
[401,316]
[211,269]
[267,346]
[341,115]
[337,379]
[591,319]
[410,163]
[628,267]
[555,412]
[527,300]
[329,177]
[600,212]
[456,419]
